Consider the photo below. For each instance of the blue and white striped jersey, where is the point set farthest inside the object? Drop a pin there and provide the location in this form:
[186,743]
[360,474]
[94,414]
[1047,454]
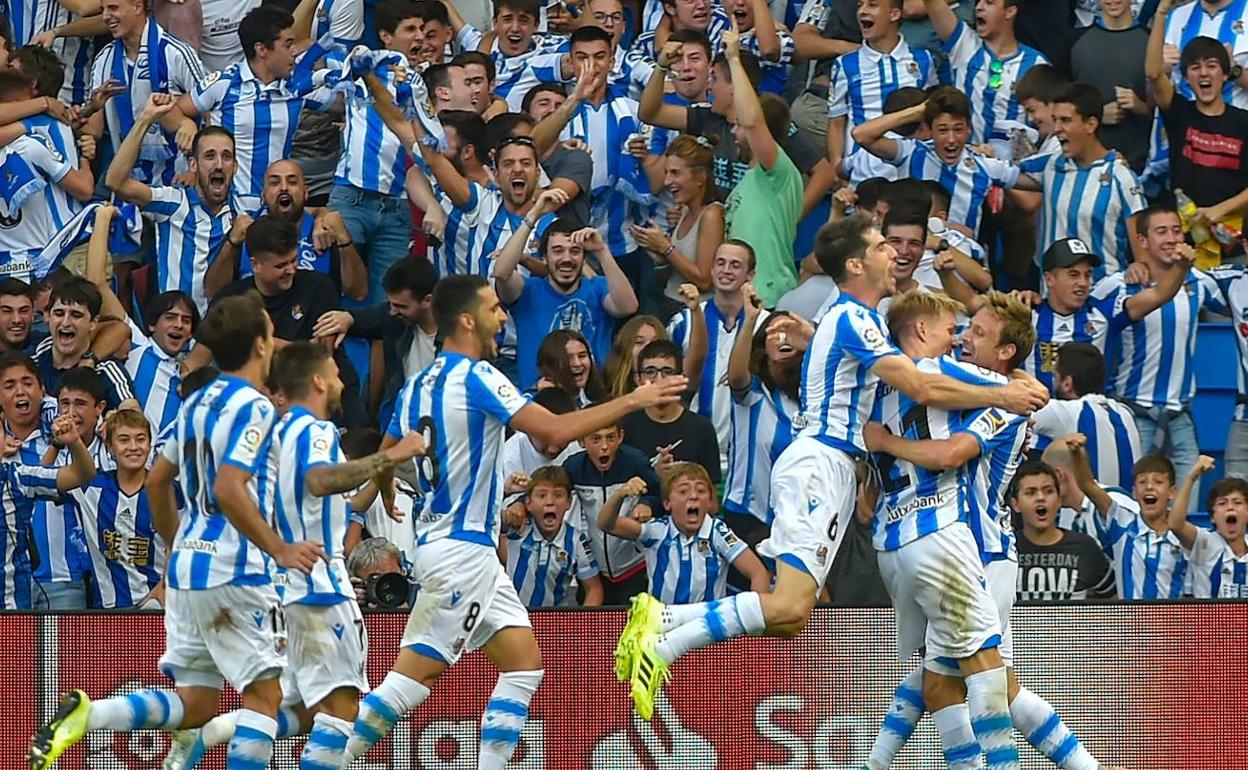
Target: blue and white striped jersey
[684,569]
[156,378]
[227,422]
[303,443]
[175,69]
[761,428]
[1053,329]
[1091,203]
[28,18]
[126,555]
[646,45]
[1155,354]
[545,572]
[1084,519]
[373,158]
[1113,441]
[477,230]
[515,76]
[629,75]
[1217,573]
[188,238]
[989,83]
[1232,281]
[968,180]
[58,537]
[343,20]
[838,387]
[713,399]
[57,135]
[916,501]
[261,118]
[462,407]
[42,215]
[1226,25]
[862,80]
[25,480]
[1147,564]
[775,72]
[619,185]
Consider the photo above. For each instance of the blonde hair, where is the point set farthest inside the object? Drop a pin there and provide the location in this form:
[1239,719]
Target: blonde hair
[619,369]
[697,152]
[684,470]
[906,309]
[1018,330]
[127,418]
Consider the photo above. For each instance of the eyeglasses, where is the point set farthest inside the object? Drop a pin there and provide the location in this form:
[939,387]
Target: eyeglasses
[995,71]
[655,371]
[614,18]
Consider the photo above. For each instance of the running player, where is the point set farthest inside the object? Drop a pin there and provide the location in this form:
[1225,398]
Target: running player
[222,618]
[814,483]
[461,404]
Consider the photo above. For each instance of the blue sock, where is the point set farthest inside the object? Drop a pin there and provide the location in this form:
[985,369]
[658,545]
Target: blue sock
[252,745]
[141,710]
[381,708]
[903,714]
[326,748]
[1044,729]
[288,722]
[719,620]
[504,717]
[990,718]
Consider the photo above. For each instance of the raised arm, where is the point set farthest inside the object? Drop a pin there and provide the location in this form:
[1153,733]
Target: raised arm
[695,356]
[871,134]
[97,263]
[508,282]
[539,422]
[118,177]
[391,115]
[765,31]
[745,101]
[739,374]
[652,109]
[1154,59]
[621,299]
[1165,286]
[943,19]
[609,516]
[546,133]
[81,468]
[1183,529]
[1081,469]
[332,479]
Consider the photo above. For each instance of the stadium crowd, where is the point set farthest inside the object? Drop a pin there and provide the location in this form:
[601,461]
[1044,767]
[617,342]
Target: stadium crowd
[629,177]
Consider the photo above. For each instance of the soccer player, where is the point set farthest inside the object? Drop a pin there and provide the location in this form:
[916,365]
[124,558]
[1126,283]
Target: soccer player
[127,557]
[467,600]
[222,617]
[814,485]
[1219,559]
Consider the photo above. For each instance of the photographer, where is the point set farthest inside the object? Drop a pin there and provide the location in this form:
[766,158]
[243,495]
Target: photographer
[380,577]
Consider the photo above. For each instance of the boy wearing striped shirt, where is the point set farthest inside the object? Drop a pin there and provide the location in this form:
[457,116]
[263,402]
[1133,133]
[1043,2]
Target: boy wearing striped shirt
[547,557]
[688,552]
[1219,559]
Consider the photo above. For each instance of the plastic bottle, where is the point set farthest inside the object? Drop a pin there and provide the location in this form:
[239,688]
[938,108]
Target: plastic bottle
[1187,207]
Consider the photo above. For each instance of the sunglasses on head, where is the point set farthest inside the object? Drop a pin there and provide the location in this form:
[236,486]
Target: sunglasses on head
[523,141]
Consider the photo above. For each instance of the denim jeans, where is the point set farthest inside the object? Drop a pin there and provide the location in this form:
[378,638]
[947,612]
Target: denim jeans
[1177,442]
[1236,454]
[59,596]
[381,227]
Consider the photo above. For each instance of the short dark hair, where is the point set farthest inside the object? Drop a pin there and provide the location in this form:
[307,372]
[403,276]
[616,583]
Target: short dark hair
[205,133]
[775,115]
[504,125]
[938,192]
[1144,217]
[43,67]
[389,14]
[946,100]
[526,104]
[695,37]
[589,34]
[231,328]
[263,25]
[906,192]
[558,227]
[1226,486]
[167,300]
[21,360]
[531,7]
[195,381]
[360,442]
[469,127]
[662,349]
[1086,99]
[870,191]
[904,99]
[414,274]
[270,235]
[464,58]
[749,63]
[1032,468]
[439,75]
[749,250]
[16,287]
[838,242]
[1084,363]
[912,215]
[1041,82]
[454,296]
[14,84]
[435,11]
[86,380]
[1154,463]
[79,291]
[295,365]
[1201,48]
[556,400]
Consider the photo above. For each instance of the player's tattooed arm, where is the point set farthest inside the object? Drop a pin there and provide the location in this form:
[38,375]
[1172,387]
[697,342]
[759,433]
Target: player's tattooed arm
[344,477]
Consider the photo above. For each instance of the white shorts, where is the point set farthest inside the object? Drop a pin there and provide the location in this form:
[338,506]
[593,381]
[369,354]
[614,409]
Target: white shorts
[940,594]
[235,632]
[326,649]
[465,597]
[1002,577]
[813,492]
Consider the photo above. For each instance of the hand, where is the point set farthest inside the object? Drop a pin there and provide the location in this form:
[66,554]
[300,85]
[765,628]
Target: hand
[753,303]
[650,237]
[663,457]
[590,239]
[1205,215]
[1077,444]
[983,149]
[1024,395]
[104,214]
[64,431]
[57,110]
[637,146]
[731,40]
[1203,465]
[86,146]
[1028,298]
[873,435]
[44,39]
[335,324]
[945,261]
[185,179]
[1170,54]
[302,556]
[238,228]
[843,198]
[673,216]
[1128,99]
[157,106]
[634,487]
[665,391]
[358,585]
[792,331]
[516,482]
[330,231]
[934,239]
[434,223]
[11,446]
[1112,114]
[576,144]
[669,53]
[185,136]
[549,200]
[411,445]
[692,298]
[515,514]
[641,513]
[1185,255]
[100,96]
[1137,274]
[586,82]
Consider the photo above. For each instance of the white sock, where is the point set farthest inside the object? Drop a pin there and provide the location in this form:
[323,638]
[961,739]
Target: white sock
[957,738]
[252,745]
[140,710]
[504,717]
[676,615]
[903,714]
[326,748]
[218,730]
[381,708]
[719,620]
[1040,724]
[990,718]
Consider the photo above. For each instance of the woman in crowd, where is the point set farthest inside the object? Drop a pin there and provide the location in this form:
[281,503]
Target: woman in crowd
[639,331]
[564,361]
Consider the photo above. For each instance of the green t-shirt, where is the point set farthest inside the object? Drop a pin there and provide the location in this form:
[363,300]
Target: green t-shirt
[763,210]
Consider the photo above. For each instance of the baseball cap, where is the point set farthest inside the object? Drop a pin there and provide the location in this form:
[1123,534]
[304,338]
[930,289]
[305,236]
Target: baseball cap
[1067,252]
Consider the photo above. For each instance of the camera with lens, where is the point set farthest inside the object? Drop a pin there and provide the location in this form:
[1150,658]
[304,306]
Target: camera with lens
[388,590]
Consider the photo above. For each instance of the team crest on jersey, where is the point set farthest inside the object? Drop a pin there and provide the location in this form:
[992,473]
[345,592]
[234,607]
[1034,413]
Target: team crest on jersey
[969,162]
[561,557]
[1104,178]
[914,68]
[296,312]
[704,547]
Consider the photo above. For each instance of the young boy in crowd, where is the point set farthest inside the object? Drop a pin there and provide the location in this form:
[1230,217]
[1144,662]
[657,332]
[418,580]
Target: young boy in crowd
[548,556]
[1147,558]
[1219,559]
[687,553]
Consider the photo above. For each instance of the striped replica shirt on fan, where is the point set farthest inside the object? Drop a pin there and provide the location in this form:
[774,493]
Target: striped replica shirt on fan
[646,45]
[126,555]
[373,159]
[1147,564]
[1053,329]
[761,428]
[26,482]
[188,238]
[1186,22]
[1113,441]
[29,18]
[1232,280]
[59,539]
[156,377]
[39,219]
[968,180]
[342,20]
[476,231]
[515,76]
[862,80]
[545,571]
[227,422]
[1217,573]
[684,569]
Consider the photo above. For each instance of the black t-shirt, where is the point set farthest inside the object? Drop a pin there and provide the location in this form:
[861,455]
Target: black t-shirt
[1208,153]
[578,166]
[1073,568]
[699,120]
[696,434]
